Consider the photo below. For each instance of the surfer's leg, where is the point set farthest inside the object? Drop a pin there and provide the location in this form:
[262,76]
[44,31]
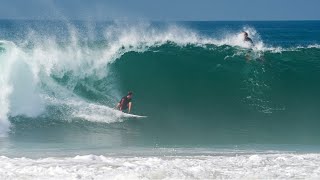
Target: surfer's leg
[118,106]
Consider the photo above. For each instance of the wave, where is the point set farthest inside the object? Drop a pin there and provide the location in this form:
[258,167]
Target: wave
[79,76]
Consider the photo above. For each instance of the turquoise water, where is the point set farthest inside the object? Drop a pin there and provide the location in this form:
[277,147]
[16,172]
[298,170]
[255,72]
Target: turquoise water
[199,84]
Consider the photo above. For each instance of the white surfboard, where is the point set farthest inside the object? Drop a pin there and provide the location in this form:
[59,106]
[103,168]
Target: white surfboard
[134,116]
[127,115]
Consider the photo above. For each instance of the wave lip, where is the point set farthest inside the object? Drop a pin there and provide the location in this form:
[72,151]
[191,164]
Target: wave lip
[273,166]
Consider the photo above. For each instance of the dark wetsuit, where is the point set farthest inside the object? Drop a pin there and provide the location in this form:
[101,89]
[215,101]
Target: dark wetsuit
[247,39]
[124,103]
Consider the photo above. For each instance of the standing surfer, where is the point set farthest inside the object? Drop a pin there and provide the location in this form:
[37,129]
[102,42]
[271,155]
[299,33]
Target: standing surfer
[247,39]
[125,102]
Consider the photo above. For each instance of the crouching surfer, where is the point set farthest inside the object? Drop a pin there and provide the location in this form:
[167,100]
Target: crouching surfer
[125,103]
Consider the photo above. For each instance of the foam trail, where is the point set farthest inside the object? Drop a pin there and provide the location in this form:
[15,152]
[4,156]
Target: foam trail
[90,111]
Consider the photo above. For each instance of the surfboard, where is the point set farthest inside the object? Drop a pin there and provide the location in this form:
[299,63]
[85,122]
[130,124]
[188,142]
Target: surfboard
[123,114]
[134,116]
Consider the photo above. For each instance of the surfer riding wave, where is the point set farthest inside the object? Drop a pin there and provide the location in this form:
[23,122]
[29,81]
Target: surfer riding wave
[125,103]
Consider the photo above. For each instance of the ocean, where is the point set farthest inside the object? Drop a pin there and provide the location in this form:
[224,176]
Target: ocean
[216,107]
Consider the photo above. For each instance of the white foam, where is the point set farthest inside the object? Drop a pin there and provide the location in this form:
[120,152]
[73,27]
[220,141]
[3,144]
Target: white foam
[6,61]
[255,166]
[314,46]
[24,99]
[18,86]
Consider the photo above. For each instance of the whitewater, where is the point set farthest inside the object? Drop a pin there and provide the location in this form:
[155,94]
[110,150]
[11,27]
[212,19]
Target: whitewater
[266,166]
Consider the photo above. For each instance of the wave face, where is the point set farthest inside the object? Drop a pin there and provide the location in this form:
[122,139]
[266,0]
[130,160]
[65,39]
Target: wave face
[196,82]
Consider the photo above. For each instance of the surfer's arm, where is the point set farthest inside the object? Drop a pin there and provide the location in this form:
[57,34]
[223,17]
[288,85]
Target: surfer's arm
[129,107]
